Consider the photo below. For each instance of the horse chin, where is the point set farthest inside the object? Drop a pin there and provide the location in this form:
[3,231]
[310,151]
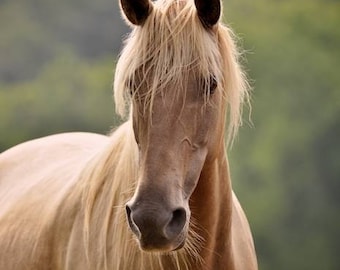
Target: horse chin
[163,248]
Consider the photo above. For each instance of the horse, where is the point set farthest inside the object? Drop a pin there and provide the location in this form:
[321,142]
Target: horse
[156,192]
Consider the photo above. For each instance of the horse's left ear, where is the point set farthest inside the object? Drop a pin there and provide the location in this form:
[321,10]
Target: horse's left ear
[136,11]
[209,11]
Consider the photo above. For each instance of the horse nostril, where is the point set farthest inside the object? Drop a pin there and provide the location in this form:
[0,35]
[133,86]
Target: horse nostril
[128,211]
[177,223]
[128,214]
[132,224]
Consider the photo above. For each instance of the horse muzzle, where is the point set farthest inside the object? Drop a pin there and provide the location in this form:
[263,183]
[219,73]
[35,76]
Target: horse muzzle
[157,228]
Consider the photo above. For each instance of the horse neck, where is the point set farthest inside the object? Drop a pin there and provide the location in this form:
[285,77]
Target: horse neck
[211,205]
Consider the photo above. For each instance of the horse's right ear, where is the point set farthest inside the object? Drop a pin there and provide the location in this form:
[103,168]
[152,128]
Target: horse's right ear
[136,11]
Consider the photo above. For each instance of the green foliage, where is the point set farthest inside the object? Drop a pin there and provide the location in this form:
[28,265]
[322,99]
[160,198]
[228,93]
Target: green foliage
[286,169]
[34,32]
[68,95]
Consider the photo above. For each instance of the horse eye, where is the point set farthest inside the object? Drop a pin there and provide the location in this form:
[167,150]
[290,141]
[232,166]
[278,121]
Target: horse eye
[209,85]
[212,84]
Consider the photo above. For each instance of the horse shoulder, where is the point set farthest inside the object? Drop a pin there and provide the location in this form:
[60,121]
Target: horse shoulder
[36,177]
[34,162]
[32,156]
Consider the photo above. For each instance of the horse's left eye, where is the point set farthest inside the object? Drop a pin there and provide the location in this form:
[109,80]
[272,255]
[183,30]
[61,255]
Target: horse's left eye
[212,84]
[209,85]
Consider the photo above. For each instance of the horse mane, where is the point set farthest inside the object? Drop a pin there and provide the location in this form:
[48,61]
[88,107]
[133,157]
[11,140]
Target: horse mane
[173,41]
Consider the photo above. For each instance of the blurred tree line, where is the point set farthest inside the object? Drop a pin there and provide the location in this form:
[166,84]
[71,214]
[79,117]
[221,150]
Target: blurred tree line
[287,168]
[56,63]
[56,67]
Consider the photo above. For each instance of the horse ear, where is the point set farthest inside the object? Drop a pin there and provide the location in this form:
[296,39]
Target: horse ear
[209,11]
[136,11]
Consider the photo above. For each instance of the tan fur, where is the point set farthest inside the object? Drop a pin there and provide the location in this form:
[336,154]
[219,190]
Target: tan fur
[62,197]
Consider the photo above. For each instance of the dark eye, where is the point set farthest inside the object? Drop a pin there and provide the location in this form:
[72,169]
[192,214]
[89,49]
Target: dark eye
[208,85]
[212,84]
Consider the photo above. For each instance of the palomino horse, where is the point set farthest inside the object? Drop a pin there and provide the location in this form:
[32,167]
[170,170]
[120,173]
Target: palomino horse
[156,193]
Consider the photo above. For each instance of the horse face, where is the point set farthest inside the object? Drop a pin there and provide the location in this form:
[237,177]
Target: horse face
[176,125]
[174,142]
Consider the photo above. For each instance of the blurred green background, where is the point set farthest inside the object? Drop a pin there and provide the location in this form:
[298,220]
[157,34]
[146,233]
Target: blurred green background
[56,70]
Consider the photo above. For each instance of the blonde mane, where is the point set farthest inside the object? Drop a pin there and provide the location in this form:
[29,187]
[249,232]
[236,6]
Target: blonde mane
[170,43]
